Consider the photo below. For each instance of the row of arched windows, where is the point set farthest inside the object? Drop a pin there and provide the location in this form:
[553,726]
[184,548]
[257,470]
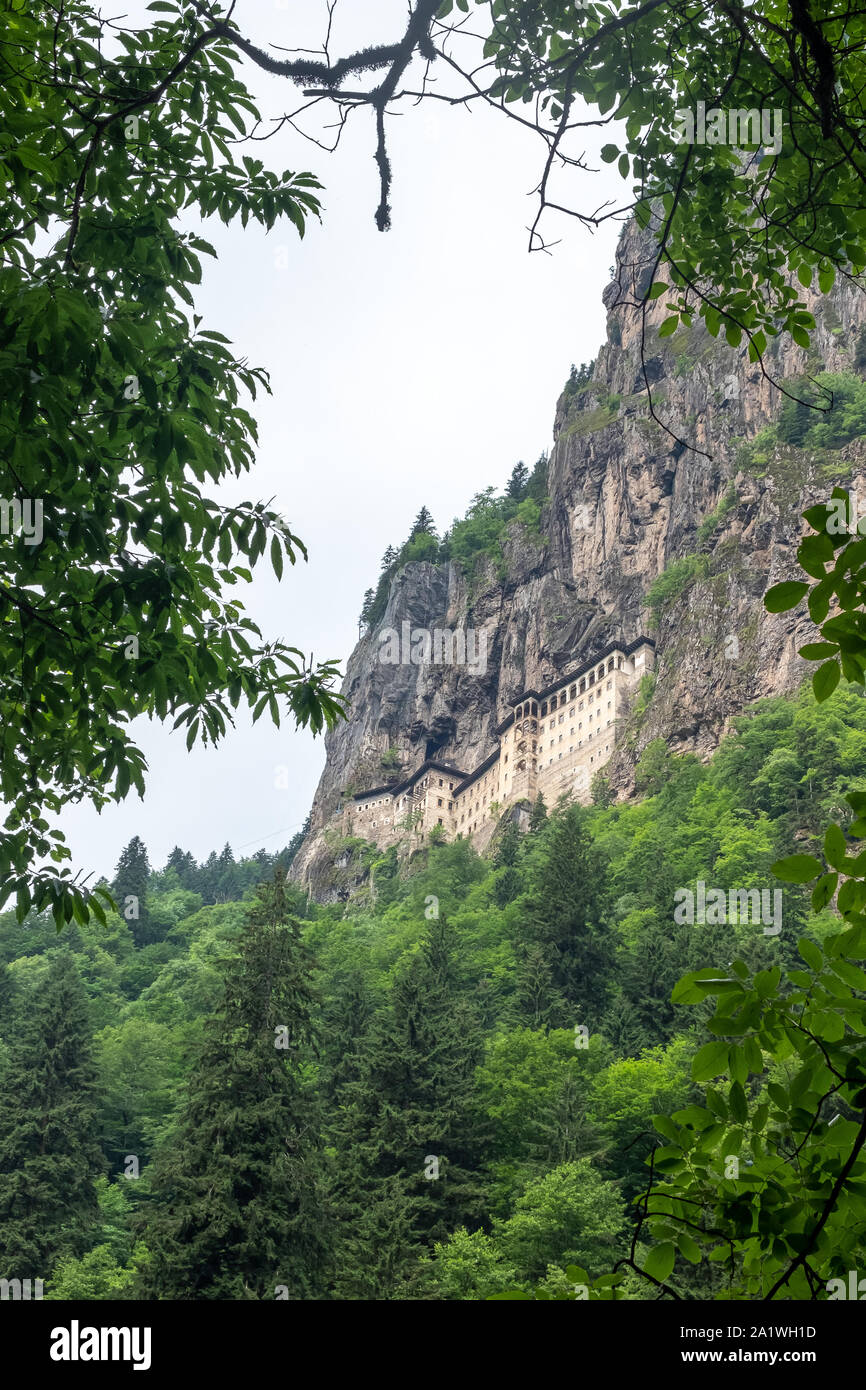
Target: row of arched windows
[563,697]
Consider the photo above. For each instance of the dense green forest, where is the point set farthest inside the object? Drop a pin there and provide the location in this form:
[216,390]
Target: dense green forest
[442,1089]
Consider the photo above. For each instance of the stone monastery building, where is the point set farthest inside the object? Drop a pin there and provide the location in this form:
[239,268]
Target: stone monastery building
[553,742]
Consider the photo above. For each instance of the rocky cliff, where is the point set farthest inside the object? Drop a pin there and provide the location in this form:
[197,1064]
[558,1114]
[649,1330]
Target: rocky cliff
[713,506]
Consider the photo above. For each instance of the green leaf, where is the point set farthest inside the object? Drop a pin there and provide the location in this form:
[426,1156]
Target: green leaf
[835,847]
[783,596]
[609,153]
[810,953]
[709,1061]
[659,1262]
[797,868]
[825,680]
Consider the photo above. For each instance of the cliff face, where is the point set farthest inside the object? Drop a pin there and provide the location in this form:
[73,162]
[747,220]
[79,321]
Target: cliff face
[626,501]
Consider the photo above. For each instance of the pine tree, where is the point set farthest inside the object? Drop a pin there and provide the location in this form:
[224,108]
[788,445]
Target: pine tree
[518,481]
[566,917]
[423,525]
[228,883]
[508,882]
[130,889]
[49,1159]
[389,558]
[538,814]
[536,488]
[184,866]
[408,1134]
[208,878]
[238,1190]
[367,607]
[541,1003]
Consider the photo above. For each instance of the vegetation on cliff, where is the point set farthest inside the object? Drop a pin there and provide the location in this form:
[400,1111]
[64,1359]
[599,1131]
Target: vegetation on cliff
[487,1041]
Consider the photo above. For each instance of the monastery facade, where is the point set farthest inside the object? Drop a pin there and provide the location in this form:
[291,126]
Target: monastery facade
[553,742]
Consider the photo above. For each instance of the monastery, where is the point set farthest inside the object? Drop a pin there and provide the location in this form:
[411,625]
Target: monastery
[553,742]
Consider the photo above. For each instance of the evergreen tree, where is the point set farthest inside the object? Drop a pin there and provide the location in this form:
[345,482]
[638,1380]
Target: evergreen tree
[565,917]
[49,1159]
[228,881]
[130,889]
[538,814]
[518,481]
[540,1002]
[407,1138]
[508,882]
[367,608]
[536,488]
[288,854]
[423,525]
[184,866]
[390,558]
[237,1208]
[208,879]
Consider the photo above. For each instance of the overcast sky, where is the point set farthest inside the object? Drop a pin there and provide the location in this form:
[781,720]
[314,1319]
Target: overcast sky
[412,367]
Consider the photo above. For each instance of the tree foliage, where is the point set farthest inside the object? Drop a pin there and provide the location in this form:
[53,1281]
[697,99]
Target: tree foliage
[120,410]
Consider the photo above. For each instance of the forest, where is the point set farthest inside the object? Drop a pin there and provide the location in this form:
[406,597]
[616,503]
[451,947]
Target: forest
[522,1077]
[443,1089]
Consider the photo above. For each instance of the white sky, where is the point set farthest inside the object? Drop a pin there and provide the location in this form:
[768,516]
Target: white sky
[412,367]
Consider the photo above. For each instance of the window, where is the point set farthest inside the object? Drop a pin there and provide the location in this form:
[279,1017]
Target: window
[439,803]
[562,719]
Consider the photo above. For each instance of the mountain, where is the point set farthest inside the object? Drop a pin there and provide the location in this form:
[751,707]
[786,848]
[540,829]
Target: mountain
[675,535]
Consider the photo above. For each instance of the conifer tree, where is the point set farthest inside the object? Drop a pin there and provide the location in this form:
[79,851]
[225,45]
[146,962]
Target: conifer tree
[238,1191]
[184,866]
[538,814]
[518,481]
[536,488]
[367,608]
[389,558]
[228,882]
[130,889]
[408,1136]
[423,525]
[209,878]
[49,1158]
[566,917]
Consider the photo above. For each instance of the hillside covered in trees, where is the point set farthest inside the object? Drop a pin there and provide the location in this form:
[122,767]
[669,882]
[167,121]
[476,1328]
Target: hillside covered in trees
[444,1090]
